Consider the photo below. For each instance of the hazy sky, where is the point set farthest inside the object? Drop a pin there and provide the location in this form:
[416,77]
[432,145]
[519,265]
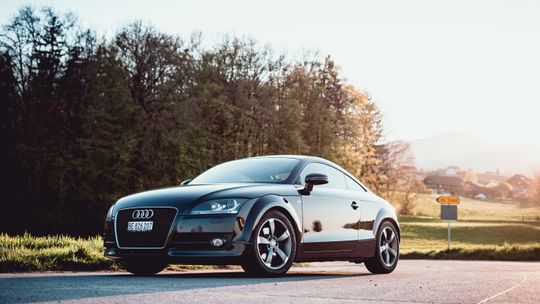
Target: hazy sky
[431,66]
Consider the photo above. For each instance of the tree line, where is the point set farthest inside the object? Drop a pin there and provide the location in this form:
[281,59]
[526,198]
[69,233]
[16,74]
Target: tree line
[87,119]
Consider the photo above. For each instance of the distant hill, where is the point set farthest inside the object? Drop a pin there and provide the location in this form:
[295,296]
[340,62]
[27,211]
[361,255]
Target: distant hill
[468,152]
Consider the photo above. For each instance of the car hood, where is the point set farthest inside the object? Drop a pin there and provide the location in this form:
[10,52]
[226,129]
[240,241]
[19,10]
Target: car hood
[187,196]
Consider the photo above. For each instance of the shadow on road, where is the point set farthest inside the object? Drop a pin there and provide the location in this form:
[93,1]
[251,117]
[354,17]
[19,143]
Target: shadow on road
[73,287]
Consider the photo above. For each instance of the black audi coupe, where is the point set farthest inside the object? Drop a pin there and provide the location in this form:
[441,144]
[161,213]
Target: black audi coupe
[262,213]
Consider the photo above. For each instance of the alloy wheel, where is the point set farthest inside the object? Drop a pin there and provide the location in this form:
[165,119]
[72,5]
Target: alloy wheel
[274,243]
[388,246]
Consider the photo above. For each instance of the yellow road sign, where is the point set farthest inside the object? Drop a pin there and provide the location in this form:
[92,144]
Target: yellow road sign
[448,200]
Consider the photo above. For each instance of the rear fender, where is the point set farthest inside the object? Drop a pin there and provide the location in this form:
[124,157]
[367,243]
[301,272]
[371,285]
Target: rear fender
[386,214]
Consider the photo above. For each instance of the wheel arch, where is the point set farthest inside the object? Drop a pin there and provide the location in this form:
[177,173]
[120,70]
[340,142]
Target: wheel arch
[295,225]
[386,215]
[394,222]
[262,206]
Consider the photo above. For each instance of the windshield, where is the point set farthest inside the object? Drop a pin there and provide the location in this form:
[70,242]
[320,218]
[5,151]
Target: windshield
[250,170]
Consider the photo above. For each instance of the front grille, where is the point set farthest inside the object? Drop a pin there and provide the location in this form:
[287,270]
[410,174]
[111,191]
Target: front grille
[163,219]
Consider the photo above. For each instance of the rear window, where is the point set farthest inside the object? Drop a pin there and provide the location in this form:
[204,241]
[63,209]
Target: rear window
[353,185]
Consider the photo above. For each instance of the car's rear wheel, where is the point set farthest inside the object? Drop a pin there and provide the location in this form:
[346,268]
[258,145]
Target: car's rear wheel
[273,246]
[143,267]
[386,254]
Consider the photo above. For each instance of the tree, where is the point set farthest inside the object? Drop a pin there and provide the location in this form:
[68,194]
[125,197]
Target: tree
[287,125]
[8,121]
[534,190]
[401,187]
[157,66]
[360,148]
[153,61]
[38,45]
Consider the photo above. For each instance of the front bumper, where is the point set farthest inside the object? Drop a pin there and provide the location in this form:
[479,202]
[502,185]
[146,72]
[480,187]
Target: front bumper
[230,256]
[189,241]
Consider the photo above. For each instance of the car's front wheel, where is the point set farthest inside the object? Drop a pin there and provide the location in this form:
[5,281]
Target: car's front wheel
[386,254]
[273,246]
[143,267]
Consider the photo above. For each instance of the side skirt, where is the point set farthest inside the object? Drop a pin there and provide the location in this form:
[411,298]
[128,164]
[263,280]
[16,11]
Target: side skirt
[319,252]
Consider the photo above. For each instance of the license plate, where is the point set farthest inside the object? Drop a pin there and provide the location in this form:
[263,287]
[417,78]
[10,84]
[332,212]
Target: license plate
[140,226]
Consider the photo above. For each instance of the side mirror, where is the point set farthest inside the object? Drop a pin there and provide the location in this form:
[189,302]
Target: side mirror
[184,183]
[312,180]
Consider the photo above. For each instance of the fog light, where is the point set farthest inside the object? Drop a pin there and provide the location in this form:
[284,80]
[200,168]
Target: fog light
[217,242]
[111,252]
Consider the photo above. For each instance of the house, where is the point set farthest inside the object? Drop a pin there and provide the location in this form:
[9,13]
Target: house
[472,189]
[440,184]
[492,191]
[490,178]
[505,190]
[520,183]
[488,185]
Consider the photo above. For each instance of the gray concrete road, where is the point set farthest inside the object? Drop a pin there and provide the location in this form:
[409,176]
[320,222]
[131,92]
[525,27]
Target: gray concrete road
[420,281]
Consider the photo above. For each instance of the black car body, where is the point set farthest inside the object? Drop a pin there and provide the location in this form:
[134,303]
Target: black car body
[262,213]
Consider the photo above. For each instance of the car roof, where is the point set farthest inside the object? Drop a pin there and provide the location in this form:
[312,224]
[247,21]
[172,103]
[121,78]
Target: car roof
[302,157]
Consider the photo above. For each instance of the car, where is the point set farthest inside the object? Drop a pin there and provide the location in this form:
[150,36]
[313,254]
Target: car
[262,213]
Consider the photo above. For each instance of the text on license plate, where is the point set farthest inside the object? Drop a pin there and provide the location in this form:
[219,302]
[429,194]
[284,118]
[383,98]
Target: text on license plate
[140,226]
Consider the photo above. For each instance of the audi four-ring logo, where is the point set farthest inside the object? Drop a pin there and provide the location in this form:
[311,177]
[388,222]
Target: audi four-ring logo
[142,214]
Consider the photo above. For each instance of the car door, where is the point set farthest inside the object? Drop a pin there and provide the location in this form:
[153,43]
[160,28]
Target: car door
[329,214]
[369,209]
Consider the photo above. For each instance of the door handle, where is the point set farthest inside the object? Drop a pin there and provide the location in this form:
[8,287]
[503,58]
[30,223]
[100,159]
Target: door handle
[354,205]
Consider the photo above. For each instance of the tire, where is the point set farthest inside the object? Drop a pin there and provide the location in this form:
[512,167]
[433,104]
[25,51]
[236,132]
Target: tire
[143,267]
[386,255]
[273,246]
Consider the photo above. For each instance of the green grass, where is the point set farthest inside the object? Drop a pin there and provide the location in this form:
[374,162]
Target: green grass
[30,253]
[484,230]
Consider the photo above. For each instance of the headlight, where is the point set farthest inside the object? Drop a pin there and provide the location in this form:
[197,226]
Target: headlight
[109,216]
[219,206]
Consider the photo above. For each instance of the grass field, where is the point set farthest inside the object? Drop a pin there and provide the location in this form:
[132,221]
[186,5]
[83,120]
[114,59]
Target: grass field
[484,230]
[29,253]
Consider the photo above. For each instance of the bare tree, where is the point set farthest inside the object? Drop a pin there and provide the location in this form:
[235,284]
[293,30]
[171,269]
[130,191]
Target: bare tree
[401,187]
[411,192]
[534,190]
[154,62]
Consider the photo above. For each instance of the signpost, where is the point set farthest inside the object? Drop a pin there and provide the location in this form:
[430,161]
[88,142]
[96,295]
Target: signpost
[449,212]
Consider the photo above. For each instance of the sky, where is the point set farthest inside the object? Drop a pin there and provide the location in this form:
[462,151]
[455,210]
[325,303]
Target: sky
[432,67]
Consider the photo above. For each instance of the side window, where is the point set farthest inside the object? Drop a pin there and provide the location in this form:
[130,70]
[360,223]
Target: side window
[336,179]
[352,185]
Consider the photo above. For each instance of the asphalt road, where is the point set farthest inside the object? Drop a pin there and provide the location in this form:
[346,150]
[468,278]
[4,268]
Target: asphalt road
[420,281]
